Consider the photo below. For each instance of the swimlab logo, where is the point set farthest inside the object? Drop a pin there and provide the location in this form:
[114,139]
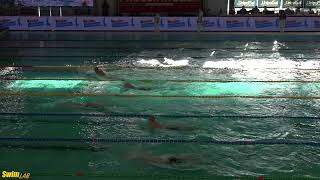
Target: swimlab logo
[15,174]
[263,23]
[176,23]
[91,23]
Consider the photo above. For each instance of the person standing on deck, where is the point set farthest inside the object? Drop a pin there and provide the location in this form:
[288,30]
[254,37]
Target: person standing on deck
[200,20]
[282,20]
[157,22]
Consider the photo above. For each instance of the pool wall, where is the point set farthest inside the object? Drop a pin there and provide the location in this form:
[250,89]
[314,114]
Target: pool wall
[210,24]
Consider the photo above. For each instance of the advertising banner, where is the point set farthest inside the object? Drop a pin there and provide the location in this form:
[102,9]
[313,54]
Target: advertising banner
[292,3]
[312,3]
[211,24]
[92,23]
[11,22]
[64,23]
[265,23]
[245,3]
[180,23]
[148,23]
[121,24]
[253,24]
[236,23]
[36,23]
[55,2]
[269,3]
[297,24]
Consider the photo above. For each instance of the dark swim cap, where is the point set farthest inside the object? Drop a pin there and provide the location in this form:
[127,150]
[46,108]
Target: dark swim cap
[174,160]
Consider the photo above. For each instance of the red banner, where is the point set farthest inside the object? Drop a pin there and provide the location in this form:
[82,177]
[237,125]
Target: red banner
[159,6]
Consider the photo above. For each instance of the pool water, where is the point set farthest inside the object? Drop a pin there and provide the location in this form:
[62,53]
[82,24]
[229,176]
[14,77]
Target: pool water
[227,92]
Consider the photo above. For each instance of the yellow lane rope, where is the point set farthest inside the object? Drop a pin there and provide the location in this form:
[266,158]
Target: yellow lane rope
[148,80]
[150,67]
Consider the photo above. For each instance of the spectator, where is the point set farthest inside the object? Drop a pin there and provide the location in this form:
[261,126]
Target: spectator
[157,22]
[298,11]
[288,11]
[232,11]
[105,7]
[84,4]
[255,10]
[282,18]
[243,10]
[265,10]
[310,11]
[220,12]
[200,20]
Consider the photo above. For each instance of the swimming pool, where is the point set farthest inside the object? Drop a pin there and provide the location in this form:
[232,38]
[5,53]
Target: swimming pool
[250,102]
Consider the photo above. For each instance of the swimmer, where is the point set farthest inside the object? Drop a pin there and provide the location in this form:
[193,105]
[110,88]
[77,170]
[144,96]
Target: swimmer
[153,123]
[99,72]
[181,160]
[126,85]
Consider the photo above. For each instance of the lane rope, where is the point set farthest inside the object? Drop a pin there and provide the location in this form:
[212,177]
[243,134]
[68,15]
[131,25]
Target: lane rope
[160,80]
[5,94]
[137,40]
[149,67]
[130,49]
[126,56]
[207,141]
[156,115]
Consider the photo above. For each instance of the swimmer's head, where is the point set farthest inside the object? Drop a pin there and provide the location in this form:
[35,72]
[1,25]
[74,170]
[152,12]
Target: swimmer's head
[99,72]
[152,118]
[174,160]
[96,69]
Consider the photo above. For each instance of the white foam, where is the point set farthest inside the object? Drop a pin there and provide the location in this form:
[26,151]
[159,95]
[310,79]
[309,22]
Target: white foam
[171,62]
[166,63]
[152,62]
[261,64]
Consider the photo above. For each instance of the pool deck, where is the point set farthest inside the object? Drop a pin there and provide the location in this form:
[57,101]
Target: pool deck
[174,32]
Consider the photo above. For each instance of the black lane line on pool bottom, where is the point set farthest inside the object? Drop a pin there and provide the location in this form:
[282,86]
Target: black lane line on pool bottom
[159,141]
[157,115]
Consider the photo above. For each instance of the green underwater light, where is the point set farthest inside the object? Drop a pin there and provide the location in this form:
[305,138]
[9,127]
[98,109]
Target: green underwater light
[46,84]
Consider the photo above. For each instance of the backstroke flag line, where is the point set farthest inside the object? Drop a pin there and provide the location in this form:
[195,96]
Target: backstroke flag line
[55,2]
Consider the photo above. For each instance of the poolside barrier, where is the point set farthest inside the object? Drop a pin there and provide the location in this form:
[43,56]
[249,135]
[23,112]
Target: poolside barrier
[227,23]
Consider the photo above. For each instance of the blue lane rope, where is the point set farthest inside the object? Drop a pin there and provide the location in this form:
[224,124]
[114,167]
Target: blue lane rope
[167,141]
[157,115]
